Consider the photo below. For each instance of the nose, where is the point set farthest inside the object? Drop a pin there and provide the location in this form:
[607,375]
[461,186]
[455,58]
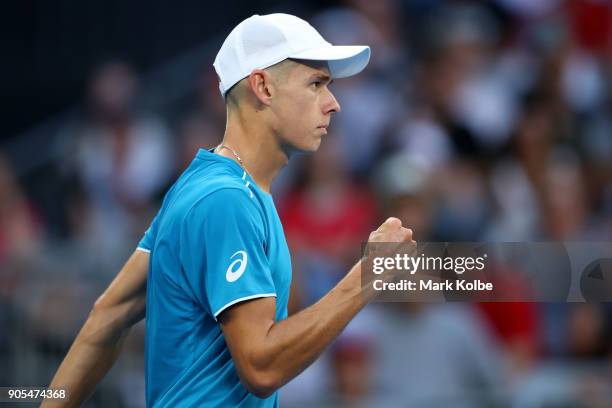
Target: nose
[331,105]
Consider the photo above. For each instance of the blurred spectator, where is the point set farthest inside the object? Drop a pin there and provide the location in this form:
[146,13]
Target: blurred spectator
[424,139]
[464,205]
[20,225]
[196,131]
[435,355]
[122,160]
[588,332]
[404,189]
[21,233]
[351,366]
[516,213]
[565,201]
[517,328]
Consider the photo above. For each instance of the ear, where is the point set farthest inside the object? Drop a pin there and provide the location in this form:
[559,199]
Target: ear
[261,85]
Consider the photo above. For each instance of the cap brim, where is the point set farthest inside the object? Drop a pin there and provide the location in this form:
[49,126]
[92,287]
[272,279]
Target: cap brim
[343,60]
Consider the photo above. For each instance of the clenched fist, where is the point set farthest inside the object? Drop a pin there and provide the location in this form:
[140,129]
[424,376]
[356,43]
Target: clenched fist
[391,231]
[390,240]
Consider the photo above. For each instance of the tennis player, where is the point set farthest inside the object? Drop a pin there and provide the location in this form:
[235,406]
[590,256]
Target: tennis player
[219,270]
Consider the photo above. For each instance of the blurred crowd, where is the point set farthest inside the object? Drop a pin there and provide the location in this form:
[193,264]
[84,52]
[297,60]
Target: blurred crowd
[475,121]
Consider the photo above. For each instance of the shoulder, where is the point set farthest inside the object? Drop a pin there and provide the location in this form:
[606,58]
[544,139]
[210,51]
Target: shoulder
[205,185]
[225,183]
[227,198]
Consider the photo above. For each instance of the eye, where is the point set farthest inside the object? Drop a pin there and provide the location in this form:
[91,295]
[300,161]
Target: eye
[316,83]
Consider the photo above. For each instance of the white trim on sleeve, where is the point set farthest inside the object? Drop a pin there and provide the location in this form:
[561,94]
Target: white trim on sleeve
[148,251]
[242,299]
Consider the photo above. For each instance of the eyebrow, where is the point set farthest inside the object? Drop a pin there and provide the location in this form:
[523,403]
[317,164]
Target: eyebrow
[323,77]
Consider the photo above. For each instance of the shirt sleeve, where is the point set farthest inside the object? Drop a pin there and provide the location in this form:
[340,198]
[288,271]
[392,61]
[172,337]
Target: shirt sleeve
[223,245]
[146,243]
[148,239]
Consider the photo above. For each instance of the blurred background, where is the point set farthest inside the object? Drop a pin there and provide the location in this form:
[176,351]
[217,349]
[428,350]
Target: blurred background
[475,121]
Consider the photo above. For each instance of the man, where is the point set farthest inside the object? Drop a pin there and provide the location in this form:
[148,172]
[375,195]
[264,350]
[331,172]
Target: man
[218,265]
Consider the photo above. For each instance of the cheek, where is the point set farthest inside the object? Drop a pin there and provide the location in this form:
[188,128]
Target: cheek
[300,114]
[292,110]
[299,117]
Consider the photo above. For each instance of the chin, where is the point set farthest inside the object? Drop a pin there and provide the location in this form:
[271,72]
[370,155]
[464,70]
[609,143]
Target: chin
[315,146]
[311,147]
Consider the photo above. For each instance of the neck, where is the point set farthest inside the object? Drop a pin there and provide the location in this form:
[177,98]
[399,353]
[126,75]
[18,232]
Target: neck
[256,145]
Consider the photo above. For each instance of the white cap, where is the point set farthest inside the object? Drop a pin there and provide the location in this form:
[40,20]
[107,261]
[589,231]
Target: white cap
[262,41]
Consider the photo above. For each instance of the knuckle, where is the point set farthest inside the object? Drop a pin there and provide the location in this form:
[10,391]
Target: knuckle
[407,234]
[393,222]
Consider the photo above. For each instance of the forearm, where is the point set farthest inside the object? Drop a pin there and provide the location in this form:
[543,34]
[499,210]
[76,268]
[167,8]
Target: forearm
[99,342]
[83,368]
[291,345]
[94,351]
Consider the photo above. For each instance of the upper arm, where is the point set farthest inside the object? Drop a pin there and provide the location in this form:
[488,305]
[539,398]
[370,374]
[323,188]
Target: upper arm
[127,292]
[245,327]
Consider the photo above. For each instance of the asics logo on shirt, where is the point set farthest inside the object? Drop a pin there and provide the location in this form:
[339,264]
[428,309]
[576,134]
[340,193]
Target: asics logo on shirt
[233,275]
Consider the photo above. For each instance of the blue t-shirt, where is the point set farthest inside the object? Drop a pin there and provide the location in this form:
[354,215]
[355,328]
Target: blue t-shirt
[216,241]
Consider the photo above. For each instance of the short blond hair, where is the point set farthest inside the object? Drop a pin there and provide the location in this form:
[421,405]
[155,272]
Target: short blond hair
[279,71]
